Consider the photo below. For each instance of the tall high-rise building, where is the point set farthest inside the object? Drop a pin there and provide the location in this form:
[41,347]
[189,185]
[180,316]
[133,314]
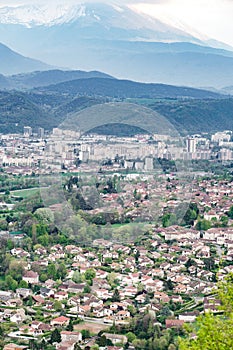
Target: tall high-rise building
[149,164]
[191,145]
[27,131]
[40,133]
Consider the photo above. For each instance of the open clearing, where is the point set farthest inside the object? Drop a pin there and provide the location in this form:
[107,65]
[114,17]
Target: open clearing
[91,326]
[26,193]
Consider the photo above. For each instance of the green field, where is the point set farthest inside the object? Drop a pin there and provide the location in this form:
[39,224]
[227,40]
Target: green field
[26,193]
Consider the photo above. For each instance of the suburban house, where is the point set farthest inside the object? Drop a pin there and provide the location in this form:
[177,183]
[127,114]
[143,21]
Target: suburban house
[174,323]
[67,336]
[12,346]
[60,321]
[116,338]
[31,277]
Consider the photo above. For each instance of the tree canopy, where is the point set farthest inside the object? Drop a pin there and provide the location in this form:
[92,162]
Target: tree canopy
[214,332]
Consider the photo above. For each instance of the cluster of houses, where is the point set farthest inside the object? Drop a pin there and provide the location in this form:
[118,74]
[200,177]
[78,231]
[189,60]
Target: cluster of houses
[170,266]
[140,275]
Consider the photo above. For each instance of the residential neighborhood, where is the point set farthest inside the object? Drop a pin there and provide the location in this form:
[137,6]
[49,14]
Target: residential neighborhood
[123,259]
[170,276]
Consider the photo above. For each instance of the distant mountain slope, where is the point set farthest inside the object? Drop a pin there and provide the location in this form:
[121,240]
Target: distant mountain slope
[77,104]
[196,69]
[228,90]
[117,40]
[45,78]
[97,19]
[13,63]
[197,116]
[187,116]
[49,110]
[17,111]
[127,89]
[4,82]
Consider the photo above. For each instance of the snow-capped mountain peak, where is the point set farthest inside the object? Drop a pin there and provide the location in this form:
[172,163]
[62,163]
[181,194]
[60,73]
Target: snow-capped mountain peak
[116,39]
[122,18]
[52,14]
[127,21]
[47,14]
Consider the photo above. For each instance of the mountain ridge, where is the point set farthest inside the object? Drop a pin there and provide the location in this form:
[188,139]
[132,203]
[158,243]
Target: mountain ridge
[12,62]
[48,77]
[117,88]
[48,110]
[100,36]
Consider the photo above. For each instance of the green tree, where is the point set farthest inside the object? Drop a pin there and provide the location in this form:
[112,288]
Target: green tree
[225,292]
[55,336]
[112,280]
[34,233]
[108,261]
[203,225]
[32,344]
[43,344]
[137,195]
[230,213]
[52,271]
[70,326]
[44,240]
[131,337]
[89,274]
[116,296]
[95,347]
[45,215]
[87,289]
[10,244]
[61,271]
[57,305]
[224,221]
[11,283]
[132,309]
[209,263]
[191,214]
[30,301]
[214,331]
[168,284]
[16,270]
[43,277]
[77,278]
[137,255]
[168,219]
[3,225]
[85,333]
[23,284]
[139,344]
[102,341]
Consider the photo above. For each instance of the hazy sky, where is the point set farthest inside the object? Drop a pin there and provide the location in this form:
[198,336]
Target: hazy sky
[213,18]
